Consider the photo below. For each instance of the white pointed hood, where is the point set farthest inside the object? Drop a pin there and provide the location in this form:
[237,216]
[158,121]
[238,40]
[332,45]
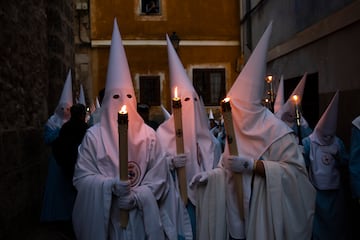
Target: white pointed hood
[325,129]
[119,91]
[165,112]
[66,94]
[97,104]
[65,102]
[197,139]
[287,111]
[255,126]
[324,148]
[211,115]
[82,96]
[280,99]
[356,122]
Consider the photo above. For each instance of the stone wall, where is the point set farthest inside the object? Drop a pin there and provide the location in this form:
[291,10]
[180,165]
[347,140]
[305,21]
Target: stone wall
[36,51]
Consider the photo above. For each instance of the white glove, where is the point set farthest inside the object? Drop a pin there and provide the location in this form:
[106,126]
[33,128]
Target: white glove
[240,164]
[125,198]
[199,178]
[178,161]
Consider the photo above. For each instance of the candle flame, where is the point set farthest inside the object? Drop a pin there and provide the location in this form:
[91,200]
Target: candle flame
[176,92]
[227,99]
[123,110]
[269,79]
[295,97]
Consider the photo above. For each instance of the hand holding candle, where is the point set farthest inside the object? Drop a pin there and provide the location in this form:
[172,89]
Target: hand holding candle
[231,141]
[181,172]
[123,156]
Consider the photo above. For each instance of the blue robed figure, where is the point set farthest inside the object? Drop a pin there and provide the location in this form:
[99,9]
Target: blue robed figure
[326,158]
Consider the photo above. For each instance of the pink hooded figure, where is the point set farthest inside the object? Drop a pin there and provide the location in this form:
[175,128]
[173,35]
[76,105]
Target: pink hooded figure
[277,193]
[100,193]
[199,148]
[286,112]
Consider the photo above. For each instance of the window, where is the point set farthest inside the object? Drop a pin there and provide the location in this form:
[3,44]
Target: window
[150,7]
[150,90]
[209,83]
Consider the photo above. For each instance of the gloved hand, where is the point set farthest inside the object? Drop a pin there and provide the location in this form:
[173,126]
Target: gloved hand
[240,164]
[124,197]
[199,178]
[178,161]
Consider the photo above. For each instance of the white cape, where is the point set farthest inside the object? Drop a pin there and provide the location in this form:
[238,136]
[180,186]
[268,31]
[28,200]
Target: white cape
[94,217]
[282,204]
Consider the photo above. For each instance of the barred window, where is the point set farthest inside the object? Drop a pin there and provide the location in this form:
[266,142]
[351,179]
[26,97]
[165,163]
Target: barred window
[150,7]
[209,83]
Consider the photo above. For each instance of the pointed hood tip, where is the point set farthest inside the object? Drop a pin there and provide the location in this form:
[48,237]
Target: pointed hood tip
[82,95]
[326,126]
[66,94]
[249,85]
[279,99]
[211,115]
[118,73]
[178,76]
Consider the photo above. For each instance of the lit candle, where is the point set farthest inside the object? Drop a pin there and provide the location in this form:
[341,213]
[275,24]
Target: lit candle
[297,117]
[123,156]
[231,141]
[181,172]
[269,80]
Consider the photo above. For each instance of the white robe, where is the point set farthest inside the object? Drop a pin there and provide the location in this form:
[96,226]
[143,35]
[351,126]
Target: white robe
[280,206]
[94,215]
[211,202]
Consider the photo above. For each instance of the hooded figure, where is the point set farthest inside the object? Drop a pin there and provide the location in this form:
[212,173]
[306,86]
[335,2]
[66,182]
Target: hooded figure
[326,158]
[62,111]
[55,203]
[277,194]
[83,102]
[101,194]
[199,147]
[279,100]
[287,111]
[212,122]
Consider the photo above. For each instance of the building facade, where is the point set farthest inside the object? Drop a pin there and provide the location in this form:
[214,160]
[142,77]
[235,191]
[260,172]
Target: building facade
[320,38]
[207,35]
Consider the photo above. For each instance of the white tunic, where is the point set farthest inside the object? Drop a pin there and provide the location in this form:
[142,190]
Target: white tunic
[94,215]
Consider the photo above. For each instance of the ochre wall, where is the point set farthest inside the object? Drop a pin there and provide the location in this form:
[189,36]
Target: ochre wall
[192,21]
[209,19]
